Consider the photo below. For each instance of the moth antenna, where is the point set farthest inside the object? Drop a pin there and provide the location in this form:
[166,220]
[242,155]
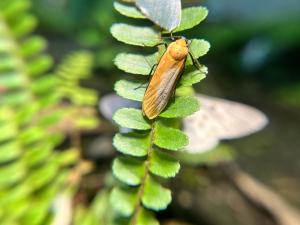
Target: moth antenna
[162,43]
[172,37]
[190,43]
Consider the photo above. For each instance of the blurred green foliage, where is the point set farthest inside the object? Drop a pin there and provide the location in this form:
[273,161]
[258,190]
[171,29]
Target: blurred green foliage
[35,118]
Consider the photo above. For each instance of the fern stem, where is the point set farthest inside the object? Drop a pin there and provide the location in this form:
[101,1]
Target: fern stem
[138,205]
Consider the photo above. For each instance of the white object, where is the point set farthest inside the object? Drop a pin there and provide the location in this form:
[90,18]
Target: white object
[220,119]
[165,13]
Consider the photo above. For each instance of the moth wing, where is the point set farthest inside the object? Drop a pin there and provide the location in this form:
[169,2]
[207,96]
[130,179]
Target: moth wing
[166,14]
[160,90]
[221,119]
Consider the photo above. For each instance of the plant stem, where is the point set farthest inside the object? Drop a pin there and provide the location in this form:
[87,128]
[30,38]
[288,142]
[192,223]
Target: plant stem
[138,205]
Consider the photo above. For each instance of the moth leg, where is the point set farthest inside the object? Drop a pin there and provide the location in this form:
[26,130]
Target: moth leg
[152,68]
[159,44]
[141,86]
[195,62]
[149,76]
[174,38]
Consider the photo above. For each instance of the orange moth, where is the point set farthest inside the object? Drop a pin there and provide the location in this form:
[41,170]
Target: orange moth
[165,78]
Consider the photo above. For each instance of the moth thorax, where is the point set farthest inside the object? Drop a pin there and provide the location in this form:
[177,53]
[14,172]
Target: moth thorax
[179,50]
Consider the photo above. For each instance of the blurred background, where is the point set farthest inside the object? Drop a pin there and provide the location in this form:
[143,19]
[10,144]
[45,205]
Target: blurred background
[255,49]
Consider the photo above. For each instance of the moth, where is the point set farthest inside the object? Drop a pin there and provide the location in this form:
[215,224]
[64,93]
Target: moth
[220,119]
[165,78]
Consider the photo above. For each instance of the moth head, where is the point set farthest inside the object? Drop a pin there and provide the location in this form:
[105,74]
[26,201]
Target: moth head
[179,49]
[182,41]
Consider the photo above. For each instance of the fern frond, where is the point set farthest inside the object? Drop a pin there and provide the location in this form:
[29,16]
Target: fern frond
[32,172]
[75,68]
[22,59]
[148,148]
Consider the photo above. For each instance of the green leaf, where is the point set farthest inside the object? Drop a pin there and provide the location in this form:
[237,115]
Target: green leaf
[128,170]
[11,80]
[198,48]
[11,173]
[134,35]
[75,66]
[87,122]
[185,91]
[38,154]
[39,65]
[79,95]
[7,131]
[169,138]
[182,107]
[146,217]
[14,98]
[50,99]
[123,200]
[16,193]
[191,17]
[128,10]
[192,76]
[136,64]
[132,144]
[25,114]
[15,210]
[6,114]
[131,118]
[43,175]
[155,196]
[6,45]
[8,63]
[9,151]
[164,165]
[67,157]
[15,8]
[32,46]
[38,212]
[44,84]
[130,89]
[23,25]
[31,135]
